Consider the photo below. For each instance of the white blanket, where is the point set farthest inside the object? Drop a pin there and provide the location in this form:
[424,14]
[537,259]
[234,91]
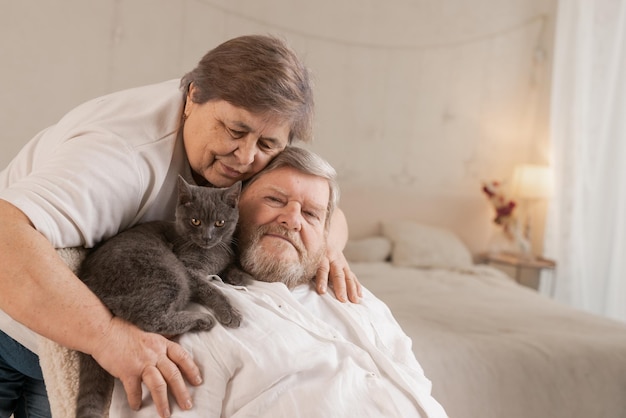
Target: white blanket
[495,349]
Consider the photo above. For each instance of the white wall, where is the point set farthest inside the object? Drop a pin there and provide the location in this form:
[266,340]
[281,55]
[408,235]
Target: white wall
[428,94]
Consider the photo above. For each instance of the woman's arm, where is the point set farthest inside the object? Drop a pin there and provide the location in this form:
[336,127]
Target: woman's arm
[38,290]
[335,266]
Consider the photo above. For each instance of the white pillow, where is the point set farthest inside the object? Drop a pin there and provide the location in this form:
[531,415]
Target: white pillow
[417,245]
[372,249]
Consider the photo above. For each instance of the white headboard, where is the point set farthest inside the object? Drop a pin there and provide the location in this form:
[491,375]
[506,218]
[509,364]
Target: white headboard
[470,217]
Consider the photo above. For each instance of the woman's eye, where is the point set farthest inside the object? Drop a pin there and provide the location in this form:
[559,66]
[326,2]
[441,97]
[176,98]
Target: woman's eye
[196,222]
[220,224]
[236,134]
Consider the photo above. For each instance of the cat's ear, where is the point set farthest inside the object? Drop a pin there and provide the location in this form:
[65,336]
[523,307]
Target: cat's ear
[232,195]
[184,191]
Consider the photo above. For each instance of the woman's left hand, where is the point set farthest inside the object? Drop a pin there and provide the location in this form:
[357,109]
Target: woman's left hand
[335,268]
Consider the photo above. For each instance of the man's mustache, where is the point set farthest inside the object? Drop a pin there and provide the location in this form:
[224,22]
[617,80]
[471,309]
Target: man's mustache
[291,236]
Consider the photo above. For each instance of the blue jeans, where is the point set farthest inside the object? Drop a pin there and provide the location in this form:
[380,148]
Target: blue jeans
[22,389]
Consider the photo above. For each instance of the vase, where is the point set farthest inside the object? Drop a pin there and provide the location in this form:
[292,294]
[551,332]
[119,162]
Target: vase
[510,238]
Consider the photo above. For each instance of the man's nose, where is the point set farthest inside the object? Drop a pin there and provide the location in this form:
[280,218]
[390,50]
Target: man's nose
[246,150]
[291,216]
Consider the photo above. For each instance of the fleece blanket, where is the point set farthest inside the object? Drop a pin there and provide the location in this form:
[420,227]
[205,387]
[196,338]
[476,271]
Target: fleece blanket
[59,364]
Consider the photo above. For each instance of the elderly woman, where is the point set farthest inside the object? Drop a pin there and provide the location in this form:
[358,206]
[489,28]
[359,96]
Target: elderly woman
[112,163]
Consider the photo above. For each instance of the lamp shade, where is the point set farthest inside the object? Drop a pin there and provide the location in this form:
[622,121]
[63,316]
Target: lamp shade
[532,181]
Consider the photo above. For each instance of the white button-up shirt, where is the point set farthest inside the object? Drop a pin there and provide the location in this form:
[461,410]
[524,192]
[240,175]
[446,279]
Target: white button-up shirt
[299,354]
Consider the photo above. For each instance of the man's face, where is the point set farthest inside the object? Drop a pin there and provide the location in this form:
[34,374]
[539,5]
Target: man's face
[225,143]
[281,226]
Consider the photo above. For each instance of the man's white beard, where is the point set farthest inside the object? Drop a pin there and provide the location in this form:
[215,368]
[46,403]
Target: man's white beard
[267,267]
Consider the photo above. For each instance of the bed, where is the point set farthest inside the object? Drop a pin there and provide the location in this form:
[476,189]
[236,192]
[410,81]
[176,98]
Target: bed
[491,347]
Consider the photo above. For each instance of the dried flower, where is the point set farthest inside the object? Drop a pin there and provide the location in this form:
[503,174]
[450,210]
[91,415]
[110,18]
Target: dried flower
[503,205]
[505,216]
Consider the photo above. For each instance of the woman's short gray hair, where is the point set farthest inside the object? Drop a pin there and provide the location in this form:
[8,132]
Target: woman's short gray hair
[306,162]
[260,74]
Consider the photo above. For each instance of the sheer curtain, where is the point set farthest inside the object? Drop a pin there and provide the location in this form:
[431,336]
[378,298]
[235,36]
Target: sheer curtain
[586,226]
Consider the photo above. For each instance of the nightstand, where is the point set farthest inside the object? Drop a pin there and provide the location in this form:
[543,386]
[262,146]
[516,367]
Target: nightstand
[519,263]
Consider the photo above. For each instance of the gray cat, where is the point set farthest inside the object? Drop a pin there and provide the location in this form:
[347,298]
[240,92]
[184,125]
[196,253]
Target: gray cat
[148,274]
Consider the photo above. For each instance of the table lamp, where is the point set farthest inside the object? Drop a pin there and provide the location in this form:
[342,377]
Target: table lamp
[531,183]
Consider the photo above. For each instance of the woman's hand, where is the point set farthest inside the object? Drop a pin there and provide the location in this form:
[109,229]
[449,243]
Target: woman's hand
[334,267]
[135,356]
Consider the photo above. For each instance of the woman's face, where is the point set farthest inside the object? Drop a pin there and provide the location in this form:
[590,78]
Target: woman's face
[225,143]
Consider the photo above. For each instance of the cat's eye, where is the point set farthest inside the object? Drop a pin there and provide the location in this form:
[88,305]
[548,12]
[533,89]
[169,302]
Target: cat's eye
[196,222]
[220,224]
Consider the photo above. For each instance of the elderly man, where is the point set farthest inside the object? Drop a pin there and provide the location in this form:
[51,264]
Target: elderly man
[298,353]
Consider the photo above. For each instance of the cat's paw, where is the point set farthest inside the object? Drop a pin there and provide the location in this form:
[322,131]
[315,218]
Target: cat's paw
[203,324]
[230,318]
[236,276]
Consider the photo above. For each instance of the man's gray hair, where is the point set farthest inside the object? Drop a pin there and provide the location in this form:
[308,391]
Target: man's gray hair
[306,162]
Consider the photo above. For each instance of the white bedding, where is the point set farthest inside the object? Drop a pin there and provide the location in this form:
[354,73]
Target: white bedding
[495,349]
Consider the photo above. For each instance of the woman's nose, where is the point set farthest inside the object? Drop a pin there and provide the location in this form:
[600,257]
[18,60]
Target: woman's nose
[246,149]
